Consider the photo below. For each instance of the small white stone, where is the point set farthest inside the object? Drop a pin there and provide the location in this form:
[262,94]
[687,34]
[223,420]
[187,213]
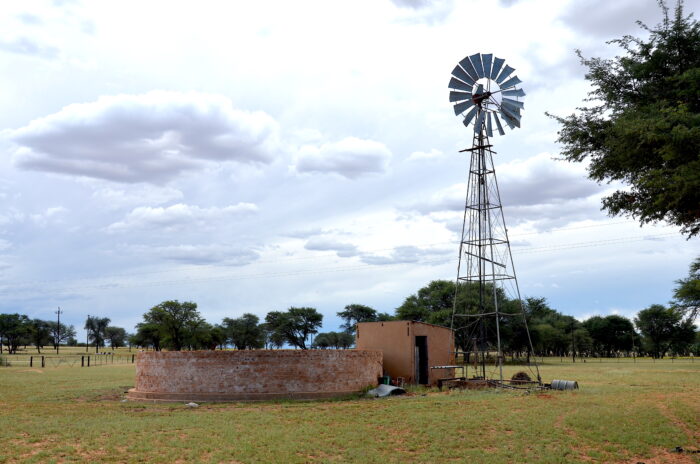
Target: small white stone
[192,405]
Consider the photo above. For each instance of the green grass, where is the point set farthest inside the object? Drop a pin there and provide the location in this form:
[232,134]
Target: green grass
[623,413]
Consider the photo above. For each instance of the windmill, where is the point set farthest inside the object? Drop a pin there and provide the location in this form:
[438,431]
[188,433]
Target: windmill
[482,88]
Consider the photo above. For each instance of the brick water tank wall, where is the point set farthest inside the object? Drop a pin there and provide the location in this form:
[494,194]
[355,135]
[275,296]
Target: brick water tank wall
[253,374]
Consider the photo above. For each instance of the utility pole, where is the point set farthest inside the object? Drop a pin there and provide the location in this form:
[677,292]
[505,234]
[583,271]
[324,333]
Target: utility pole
[58,328]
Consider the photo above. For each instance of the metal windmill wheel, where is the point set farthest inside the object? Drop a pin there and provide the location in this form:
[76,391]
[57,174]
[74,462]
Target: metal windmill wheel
[483,89]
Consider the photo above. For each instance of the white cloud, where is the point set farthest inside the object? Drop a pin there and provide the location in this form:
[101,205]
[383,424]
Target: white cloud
[203,254]
[153,195]
[27,46]
[408,254]
[350,158]
[422,155]
[537,189]
[179,216]
[144,138]
[342,249]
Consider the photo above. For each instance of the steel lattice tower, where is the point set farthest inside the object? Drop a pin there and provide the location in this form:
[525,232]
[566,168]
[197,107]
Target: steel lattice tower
[486,285]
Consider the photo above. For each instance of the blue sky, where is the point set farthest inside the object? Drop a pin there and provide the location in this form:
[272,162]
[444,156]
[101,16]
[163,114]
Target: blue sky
[251,157]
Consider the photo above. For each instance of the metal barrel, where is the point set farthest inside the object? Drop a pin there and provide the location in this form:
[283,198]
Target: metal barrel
[564,385]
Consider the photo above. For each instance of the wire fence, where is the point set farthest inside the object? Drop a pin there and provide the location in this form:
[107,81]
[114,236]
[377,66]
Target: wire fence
[87,360]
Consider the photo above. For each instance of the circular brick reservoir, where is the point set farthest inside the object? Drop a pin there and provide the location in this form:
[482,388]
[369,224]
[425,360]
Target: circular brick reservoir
[249,375]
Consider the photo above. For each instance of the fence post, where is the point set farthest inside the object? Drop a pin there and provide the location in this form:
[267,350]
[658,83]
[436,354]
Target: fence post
[82,361]
[42,362]
[31,361]
[88,360]
[132,359]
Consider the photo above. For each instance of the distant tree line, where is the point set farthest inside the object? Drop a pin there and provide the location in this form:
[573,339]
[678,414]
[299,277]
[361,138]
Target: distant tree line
[656,331]
[18,330]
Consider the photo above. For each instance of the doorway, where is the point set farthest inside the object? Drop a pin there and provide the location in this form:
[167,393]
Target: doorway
[421,364]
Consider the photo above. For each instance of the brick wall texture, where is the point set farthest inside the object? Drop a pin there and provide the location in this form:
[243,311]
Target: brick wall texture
[253,374]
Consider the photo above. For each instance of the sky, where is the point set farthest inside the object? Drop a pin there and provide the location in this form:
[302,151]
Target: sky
[252,156]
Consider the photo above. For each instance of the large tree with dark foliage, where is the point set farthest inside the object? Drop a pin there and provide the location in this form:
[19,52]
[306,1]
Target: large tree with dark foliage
[244,332]
[643,125]
[179,324]
[294,325]
[354,313]
[687,294]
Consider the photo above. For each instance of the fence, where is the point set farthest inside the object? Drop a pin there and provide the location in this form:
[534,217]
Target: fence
[87,360]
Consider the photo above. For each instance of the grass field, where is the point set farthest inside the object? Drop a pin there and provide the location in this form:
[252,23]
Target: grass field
[623,413]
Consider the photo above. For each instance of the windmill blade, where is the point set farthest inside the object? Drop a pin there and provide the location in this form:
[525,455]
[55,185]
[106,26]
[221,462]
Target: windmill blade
[513,112]
[514,93]
[489,129]
[462,107]
[511,82]
[497,63]
[461,75]
[470,115]
[507,71]
[469,68]
[511,118]
[476,61]
[459,96]
[507,120]
[510,106]
[478,125]
[498,125]
[457,84]
[515,103]
[486,60]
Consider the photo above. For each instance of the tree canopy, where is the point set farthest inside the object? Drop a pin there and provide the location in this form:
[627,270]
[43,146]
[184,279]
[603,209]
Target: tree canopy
[294,325]
[643,125]
[687,293]
[354,313]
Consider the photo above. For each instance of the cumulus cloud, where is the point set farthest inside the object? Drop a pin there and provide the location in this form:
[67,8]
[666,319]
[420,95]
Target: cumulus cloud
[540,190]
[425,11]
[114,198]
[27,46]
[179,216]
[535,181]
[408,254]
[423,155]
[607,19]
[350,158]
[144,138]
[203,254]
[342,249]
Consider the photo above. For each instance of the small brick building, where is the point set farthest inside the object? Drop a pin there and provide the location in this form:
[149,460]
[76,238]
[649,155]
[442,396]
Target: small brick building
[409,349]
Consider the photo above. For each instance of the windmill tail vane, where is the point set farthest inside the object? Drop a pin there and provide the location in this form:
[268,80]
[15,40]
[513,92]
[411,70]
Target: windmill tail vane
[485,94]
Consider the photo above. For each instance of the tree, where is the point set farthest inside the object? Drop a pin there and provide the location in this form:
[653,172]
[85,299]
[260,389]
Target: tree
[39,333]
[245,332]
[147,335]
[116,336]
[337,340]
[659,326]
[14,330]
[687,294]
[295,325]
[610,334]
[65,333]
[644,126]
[354,313]
[96,327]
[176,322]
